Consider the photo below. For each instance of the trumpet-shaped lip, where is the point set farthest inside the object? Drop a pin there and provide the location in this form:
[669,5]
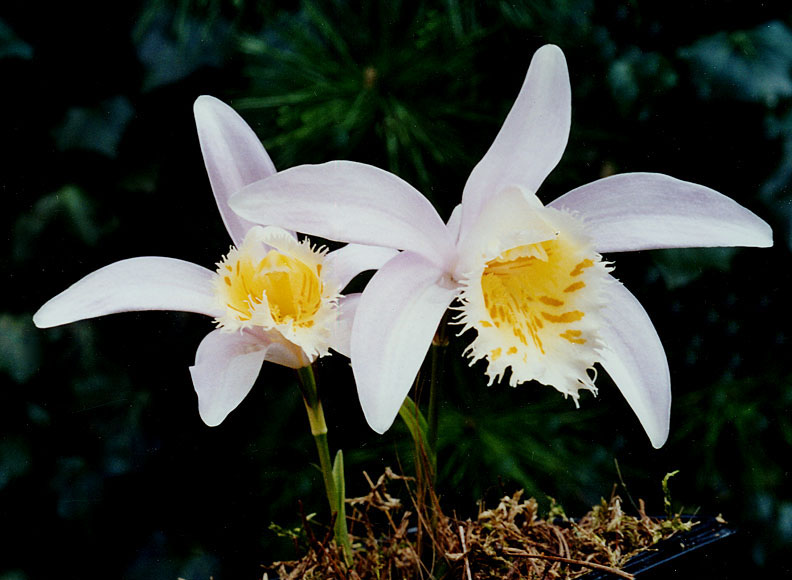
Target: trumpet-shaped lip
[275,282]
[536,307]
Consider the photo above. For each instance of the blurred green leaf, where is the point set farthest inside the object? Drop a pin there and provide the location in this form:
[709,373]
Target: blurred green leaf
[171,49]
[79,488]
[15,459]
[98,129]
[532,445]
[779,127]
[571,16]
[19,346]
[753,65]
[71,205]
[11,46]
[637,77]
[776,191]
[682,266]
[367,84]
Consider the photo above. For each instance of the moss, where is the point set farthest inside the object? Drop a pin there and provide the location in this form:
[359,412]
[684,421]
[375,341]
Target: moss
[511,541]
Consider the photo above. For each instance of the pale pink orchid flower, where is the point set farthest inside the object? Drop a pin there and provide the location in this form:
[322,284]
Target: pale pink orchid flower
[529,278]
[273,298]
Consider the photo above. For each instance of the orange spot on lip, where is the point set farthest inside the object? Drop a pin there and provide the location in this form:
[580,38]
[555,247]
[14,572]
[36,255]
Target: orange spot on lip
[527,291]
[574,287]
[551,301]
[573,336]
[580,266]
[566,317]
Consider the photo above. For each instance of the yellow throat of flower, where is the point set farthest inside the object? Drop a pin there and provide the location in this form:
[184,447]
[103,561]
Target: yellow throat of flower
[532,287]
[274,282]
[536,309]
[291,288]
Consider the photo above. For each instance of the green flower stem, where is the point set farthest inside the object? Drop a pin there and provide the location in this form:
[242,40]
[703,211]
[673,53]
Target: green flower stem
[424,431]
[313,406]
[439,344]
[434,392]
[417,425]
[319,432]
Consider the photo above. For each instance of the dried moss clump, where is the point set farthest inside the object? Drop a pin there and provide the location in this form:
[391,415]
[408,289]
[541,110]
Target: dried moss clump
[510,541]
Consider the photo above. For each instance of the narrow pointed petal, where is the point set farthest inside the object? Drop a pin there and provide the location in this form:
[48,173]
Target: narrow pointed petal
[345,263]
[233,155]
[349,202]
[342,333]
[455,222]
[634,358]
[532,139]
[226,366]
[147,283]
[395,321]
[644,211]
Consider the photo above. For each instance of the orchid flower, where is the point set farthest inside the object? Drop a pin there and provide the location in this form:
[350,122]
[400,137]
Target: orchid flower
[530,279]
[273,298]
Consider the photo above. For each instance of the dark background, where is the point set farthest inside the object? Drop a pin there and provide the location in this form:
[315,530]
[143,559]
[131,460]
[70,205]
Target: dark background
[107,471]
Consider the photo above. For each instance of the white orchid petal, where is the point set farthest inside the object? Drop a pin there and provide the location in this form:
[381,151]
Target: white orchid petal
[226,366]
[395,321]
[634,358]
[532,138]
[146,283]
[455,222]
[233,155]
[643,211]
[349,202]
[345,263]
[342,333]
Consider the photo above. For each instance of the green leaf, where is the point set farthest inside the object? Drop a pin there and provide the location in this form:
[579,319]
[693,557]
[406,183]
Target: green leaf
[637,77]
[97,129]
[681,266]
[415,421]
[19,346]
[15,459]
[70,204]
[752,65]
[341,533]
[171,49]
[11,46]
[340,485]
